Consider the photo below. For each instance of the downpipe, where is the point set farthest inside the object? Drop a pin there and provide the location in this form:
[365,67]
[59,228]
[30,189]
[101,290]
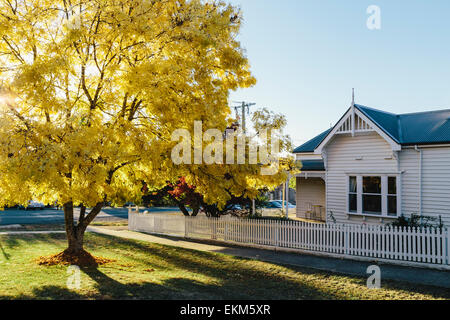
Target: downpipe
[420,151]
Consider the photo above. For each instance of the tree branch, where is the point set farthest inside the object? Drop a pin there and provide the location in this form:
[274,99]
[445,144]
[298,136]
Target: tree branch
[82,214]
[91,216]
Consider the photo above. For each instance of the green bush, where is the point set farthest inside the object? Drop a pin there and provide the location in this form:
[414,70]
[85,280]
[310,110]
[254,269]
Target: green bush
[417,221]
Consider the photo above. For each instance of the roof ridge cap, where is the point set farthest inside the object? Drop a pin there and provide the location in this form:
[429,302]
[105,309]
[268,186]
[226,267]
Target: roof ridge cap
[379,110]
[421,112]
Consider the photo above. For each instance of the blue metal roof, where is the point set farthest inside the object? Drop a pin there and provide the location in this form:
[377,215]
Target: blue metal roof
[426,128]
[312,144]
[388,122]
[311,165]
[432,127]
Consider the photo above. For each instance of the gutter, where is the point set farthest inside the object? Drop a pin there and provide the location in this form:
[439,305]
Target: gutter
[420,177]
[443,144]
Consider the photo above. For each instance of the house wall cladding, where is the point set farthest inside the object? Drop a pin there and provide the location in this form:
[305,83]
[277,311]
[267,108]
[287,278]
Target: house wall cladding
[342,153]
[374,151]
[436,183]
[310,190]
[409,164]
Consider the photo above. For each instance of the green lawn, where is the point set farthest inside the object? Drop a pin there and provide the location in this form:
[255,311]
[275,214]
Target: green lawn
[149,271]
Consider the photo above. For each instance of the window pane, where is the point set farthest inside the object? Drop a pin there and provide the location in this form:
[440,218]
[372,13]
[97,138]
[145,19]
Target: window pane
[372,185]
[352,184]
[392,205]
[372,204]
[352,198]
[392,185]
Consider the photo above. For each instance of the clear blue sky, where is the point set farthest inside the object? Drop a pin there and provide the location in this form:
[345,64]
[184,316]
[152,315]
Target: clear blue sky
[307,55]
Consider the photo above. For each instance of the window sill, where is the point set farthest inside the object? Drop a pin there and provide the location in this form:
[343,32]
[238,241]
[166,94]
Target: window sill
[370,215]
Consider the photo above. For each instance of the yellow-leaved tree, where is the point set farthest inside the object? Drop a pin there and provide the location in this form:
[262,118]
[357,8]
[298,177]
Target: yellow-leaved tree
[92,90]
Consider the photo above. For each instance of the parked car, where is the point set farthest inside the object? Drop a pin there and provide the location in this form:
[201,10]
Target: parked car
[278,204]
[274,208]
[129,204]
[273,205]
[233,207]
[32,205]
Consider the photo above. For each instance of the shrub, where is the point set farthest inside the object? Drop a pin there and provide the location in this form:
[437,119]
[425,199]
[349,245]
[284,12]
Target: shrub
[417,221]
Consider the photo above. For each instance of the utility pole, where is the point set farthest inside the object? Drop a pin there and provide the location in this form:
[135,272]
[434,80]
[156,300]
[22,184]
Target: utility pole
[287,196]
[245,105]
[285,193]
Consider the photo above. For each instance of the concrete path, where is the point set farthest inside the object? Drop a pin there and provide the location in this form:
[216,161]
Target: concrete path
[343,266]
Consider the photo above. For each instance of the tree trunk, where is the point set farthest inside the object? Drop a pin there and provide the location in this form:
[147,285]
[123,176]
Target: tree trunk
[74,246]
[195,211]
[183,209]
[75,233]
[76,242]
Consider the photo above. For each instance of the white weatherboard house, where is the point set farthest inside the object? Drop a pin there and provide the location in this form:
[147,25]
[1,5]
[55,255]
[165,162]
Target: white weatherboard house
[374,166]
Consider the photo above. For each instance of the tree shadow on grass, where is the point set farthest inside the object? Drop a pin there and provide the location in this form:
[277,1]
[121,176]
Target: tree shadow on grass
[47,293]
[199,275]
[170,289]
[5,254]
[107,288]
[111,289]
[251,281]
[17,240]
[13,242]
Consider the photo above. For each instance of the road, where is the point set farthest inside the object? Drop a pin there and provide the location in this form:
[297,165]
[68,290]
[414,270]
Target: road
[53,216]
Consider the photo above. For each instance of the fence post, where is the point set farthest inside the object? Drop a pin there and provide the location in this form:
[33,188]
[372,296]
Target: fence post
[278,233]
[130,221]
[186,232]
[448,246]
[225,231]
[346,239]
[213,222]
[275,233]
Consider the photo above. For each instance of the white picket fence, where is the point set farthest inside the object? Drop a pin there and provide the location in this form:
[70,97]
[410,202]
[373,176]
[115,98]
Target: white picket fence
[423,245]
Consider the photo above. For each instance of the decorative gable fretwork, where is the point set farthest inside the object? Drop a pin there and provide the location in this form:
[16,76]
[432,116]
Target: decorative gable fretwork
[355,122]
[359,124]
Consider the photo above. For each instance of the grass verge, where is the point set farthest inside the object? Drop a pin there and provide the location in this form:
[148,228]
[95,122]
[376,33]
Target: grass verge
[144,270]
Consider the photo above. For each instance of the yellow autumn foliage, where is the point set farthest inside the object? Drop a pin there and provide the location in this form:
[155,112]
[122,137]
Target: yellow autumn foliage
[92,90]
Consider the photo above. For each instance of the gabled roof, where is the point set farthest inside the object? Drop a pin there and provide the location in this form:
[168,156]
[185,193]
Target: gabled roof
[386,121]
[432,127]
[425,127]
[312,144]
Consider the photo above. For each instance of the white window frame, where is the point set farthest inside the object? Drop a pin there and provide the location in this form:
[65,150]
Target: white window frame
[356,193]
[397,189]
[384,194]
